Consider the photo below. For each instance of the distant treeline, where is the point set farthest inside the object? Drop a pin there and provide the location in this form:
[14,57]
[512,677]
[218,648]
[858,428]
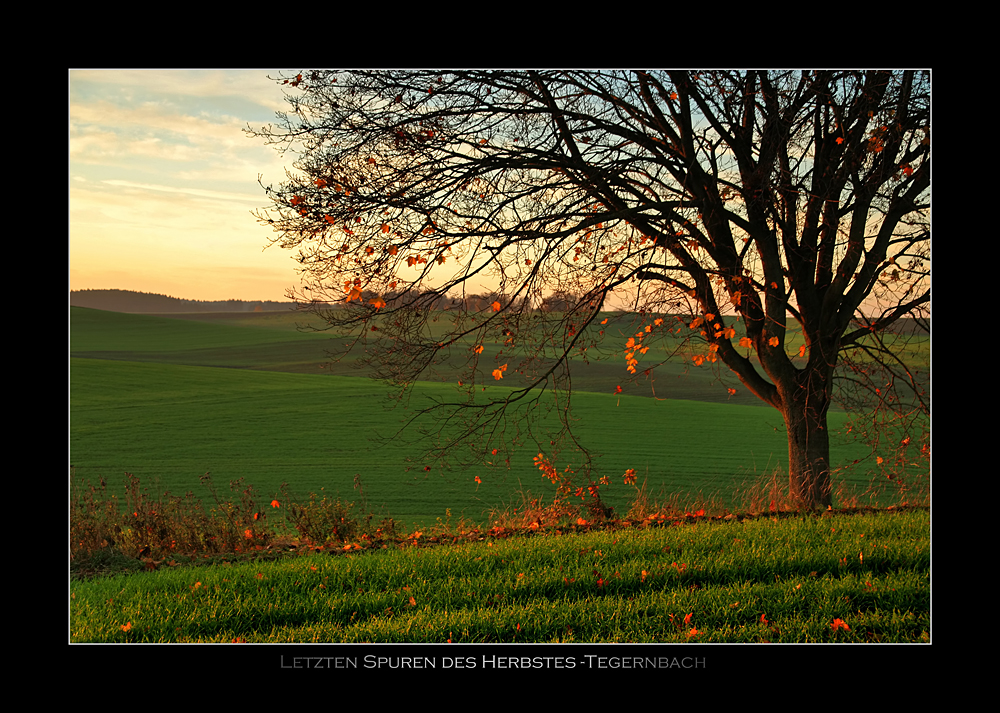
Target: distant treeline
[148,302]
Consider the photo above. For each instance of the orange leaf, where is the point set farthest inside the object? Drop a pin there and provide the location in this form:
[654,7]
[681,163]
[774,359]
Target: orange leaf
[496,306]
[498,373]
[275,504]
[746,342]
[802,350]
[839,624]
[127,627]
[773,341]
[478,349]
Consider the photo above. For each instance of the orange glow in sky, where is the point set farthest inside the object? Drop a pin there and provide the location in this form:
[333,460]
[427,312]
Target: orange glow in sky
[162,182]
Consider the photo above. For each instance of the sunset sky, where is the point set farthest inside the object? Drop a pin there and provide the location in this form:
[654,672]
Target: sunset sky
[162,182]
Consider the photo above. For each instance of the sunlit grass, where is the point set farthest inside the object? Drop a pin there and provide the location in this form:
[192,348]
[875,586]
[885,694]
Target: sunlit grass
[791,580]
[171,414]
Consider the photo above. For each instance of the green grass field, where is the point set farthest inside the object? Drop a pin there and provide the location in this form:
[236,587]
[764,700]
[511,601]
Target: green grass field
[831,579]
[169,399]
[245,397]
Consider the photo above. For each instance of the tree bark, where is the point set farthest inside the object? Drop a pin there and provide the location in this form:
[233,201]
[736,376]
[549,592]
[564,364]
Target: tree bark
[805,414]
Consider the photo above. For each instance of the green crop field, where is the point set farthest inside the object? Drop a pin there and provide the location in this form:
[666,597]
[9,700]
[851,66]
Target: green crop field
[249,398]
[244,396]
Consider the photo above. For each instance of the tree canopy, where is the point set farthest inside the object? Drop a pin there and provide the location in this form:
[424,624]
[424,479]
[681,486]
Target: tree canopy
[726,206]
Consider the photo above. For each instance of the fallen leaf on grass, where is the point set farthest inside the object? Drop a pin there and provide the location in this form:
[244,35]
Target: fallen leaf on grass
[839,624]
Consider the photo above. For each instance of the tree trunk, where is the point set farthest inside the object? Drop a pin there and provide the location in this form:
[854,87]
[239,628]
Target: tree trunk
[809,483]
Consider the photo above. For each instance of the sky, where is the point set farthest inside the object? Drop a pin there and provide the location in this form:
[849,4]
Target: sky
[163,180]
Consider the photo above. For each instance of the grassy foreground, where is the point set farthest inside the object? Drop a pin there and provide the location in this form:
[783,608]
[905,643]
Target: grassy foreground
[170,399]
[832,578]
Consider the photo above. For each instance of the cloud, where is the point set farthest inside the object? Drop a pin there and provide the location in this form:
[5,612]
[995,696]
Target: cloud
[164,182]
[221,86]
[199,192]
[162,130]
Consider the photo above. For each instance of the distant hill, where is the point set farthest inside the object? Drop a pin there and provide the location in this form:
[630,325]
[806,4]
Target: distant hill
[148,302]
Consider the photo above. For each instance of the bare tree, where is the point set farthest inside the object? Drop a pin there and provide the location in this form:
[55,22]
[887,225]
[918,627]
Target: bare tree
[747,203]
